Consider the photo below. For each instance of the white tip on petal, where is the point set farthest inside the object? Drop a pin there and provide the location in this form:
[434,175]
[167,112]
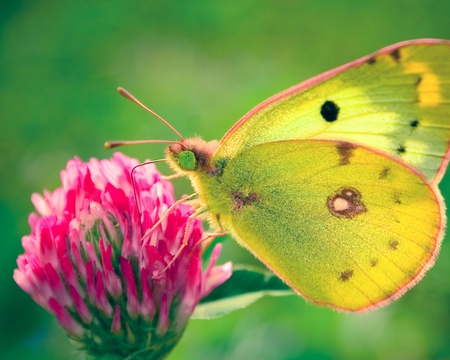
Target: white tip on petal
[41,205]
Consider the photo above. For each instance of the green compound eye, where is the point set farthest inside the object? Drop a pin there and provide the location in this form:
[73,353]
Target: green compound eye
[187,160]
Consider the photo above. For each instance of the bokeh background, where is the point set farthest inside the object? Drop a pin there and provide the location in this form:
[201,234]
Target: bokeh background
[201,64]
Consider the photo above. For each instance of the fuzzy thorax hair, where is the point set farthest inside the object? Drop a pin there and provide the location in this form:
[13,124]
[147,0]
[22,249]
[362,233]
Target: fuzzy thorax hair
[202,150]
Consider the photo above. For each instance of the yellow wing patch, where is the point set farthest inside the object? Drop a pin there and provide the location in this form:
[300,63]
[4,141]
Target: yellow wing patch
[428,88]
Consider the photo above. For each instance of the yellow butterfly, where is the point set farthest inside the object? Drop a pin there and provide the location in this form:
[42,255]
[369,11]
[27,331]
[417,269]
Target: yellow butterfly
[332,183]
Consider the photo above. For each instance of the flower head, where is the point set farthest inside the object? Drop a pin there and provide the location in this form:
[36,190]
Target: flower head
[87,262]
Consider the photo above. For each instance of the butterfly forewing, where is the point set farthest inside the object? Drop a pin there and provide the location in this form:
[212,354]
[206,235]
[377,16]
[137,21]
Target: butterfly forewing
[396,100]
[345,226]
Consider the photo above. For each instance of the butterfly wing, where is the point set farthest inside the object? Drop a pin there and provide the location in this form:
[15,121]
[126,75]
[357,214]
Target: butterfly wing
[396,100]
[345,226]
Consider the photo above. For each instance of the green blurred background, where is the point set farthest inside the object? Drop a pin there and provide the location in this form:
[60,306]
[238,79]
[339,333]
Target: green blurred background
[201,65]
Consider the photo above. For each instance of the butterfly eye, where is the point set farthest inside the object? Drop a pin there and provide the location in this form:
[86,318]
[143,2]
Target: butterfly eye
[187,160]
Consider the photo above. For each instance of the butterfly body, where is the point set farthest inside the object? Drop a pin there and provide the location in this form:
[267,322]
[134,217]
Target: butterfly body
[333,182]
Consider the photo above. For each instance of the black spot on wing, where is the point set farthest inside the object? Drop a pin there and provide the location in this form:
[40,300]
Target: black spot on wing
[414,124]
[401,150]
[329,111]
[372,60]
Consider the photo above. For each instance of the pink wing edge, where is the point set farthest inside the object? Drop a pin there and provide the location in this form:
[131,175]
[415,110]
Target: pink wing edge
[330,73]
[420,272]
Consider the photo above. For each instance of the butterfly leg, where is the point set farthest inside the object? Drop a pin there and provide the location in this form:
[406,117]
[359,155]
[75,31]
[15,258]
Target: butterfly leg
[187,231]
[207,240]
[169,210]
[171,177]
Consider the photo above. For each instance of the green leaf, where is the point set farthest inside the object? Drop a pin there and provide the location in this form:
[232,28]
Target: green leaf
[246,285]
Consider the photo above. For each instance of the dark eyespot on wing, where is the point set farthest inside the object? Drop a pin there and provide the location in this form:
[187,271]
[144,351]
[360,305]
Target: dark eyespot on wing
[329,111]
[346,203]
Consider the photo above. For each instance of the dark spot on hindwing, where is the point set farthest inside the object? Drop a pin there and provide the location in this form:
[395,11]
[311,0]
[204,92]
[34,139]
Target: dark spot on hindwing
[373,262]
[346,203]
[396,55]
[372,60]
[329,111]
[384,173]
[393,244]
[240,200]
[345,151]
[345,276]
[396,198]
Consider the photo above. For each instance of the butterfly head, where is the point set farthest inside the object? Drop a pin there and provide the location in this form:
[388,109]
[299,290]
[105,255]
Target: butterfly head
[192,154]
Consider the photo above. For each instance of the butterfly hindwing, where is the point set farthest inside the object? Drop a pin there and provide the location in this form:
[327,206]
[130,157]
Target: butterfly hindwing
[396,100]
[345,226]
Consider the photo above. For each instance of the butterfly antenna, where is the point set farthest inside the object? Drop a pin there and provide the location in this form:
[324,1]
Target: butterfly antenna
[128,96]
[113,144]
